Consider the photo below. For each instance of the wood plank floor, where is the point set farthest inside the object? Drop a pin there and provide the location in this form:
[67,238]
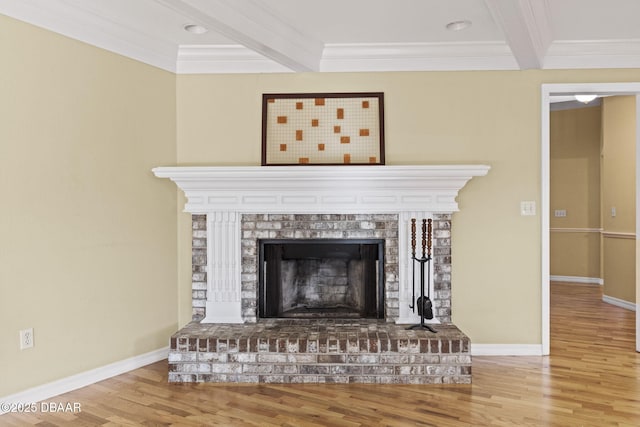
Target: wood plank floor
[590,379]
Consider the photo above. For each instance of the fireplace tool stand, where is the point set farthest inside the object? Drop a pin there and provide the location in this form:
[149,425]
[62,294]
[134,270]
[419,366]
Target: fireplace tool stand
[423,303]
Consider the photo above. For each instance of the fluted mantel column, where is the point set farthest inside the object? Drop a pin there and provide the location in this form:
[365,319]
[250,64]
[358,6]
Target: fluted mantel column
[224,268]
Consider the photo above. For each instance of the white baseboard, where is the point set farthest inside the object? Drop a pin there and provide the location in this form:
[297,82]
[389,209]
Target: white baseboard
[83,379]
[578,279]
[619,302]
[506,349]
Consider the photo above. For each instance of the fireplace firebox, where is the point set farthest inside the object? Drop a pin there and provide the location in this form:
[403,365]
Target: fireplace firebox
[321,278]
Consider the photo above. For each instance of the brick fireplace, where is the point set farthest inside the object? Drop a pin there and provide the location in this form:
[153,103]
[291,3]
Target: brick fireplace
[234,209]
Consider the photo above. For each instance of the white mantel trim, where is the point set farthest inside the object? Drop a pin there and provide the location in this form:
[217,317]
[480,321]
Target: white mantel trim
[326,189]
[223,193]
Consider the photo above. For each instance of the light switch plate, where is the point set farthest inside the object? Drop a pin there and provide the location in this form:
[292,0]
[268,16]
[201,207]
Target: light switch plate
[527,208]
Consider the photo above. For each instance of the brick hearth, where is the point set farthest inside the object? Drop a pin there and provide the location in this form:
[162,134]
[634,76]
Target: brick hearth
[319,351]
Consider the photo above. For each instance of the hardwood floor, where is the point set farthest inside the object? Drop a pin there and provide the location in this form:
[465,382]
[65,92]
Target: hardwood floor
[590,379]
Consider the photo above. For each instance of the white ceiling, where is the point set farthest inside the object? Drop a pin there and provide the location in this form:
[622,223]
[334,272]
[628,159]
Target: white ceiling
[349,35]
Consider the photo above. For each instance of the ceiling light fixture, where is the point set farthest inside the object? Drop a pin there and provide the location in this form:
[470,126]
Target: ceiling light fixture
[586,98]
[195,29]
[458,25]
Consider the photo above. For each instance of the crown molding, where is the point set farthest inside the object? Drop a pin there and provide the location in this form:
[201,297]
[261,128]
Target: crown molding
[205,59]
[567,54]
[75,19]
[201,59]
[417,57]
[220,59]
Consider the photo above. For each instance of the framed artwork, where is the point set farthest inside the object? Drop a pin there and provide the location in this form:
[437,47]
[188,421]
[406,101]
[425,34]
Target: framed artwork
[323,129]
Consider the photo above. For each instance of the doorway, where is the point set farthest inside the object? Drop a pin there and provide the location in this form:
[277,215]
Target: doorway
[569,89]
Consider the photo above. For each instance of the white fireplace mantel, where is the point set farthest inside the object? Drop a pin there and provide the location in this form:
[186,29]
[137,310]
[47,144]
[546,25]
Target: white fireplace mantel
[224,193]
[326,189]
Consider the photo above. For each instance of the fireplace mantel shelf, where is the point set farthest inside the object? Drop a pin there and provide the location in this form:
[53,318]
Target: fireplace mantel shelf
[330,189]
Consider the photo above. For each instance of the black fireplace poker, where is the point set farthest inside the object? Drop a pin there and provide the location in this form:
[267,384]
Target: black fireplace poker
[423,303]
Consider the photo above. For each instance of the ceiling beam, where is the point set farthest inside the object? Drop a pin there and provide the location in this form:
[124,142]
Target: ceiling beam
[527,27]
[251,24]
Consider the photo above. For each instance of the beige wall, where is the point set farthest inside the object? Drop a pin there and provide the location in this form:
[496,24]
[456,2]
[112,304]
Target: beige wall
[619,268]
[87,233]
[575,187]
[431,117]
[618,190]
[575,254]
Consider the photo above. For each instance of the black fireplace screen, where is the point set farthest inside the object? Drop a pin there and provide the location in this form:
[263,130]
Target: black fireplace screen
[319,278]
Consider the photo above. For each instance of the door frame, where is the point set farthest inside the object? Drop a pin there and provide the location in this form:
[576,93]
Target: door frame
[601,89]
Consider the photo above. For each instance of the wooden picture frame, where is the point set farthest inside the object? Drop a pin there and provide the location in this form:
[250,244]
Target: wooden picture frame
[300,129]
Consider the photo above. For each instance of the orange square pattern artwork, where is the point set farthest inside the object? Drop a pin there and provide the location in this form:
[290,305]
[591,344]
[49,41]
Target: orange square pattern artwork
[327,130]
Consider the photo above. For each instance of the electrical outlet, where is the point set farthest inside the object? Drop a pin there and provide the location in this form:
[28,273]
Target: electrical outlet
[26,338]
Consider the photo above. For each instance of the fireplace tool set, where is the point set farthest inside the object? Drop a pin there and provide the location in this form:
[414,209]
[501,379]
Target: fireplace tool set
[423,303]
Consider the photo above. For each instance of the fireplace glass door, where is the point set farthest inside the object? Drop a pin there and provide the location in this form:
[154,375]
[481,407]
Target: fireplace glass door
[321,278]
